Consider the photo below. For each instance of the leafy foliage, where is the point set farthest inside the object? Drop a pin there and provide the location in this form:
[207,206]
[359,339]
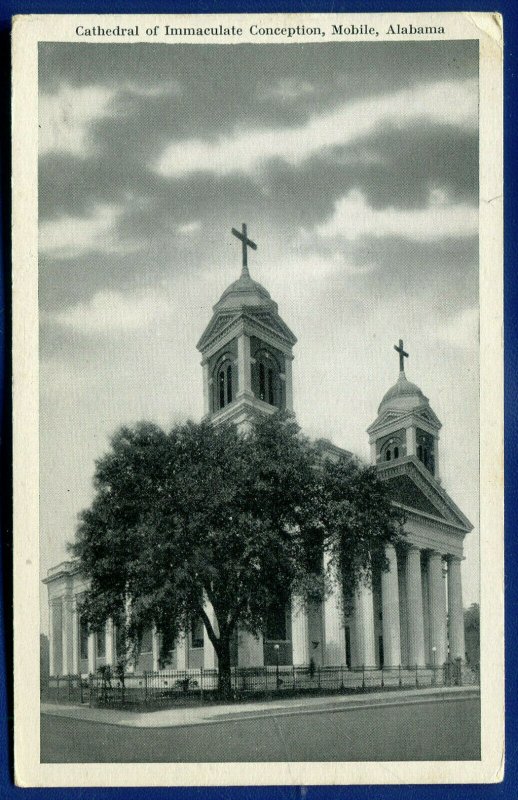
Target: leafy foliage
[206,513]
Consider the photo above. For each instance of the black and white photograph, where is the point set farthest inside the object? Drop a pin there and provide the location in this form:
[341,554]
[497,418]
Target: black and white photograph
[259,393]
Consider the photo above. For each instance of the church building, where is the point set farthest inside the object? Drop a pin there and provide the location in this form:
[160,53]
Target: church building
[412,615]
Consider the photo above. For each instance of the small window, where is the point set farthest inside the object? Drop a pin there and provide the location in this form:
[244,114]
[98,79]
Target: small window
[101,643]
[388,455]
[146,643]
[276,627]
[221,382]
[197,631]
[396,452]
[419,452]
[83,639]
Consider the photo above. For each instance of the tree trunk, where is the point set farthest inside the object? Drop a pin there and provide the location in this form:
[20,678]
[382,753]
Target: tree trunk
[224,673]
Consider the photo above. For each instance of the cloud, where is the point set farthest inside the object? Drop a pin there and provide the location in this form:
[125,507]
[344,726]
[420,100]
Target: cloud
[171,88]
[66,117]
[446,102]
[71,237]
[189,227]
[287,90]
[353,218]
[461,330]
[110,312]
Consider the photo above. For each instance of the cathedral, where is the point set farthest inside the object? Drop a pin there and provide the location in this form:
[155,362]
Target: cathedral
[411,615]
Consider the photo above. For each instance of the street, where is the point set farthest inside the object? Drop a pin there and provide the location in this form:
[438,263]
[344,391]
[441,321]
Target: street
[439,730]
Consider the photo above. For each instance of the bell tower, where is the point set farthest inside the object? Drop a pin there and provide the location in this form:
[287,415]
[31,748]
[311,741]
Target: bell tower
[405,426]
[246,351]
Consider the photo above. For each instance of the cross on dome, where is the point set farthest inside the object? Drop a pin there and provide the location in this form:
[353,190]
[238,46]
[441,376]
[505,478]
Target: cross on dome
[402,355]
[246,243]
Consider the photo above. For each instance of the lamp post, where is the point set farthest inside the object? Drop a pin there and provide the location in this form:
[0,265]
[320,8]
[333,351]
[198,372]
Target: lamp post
[276,647]
[434,650]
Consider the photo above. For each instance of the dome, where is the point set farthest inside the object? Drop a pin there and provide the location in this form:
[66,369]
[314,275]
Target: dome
[244,292]
[403,396]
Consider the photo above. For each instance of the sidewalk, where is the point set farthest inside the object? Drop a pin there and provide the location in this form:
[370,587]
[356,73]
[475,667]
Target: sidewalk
[206,715]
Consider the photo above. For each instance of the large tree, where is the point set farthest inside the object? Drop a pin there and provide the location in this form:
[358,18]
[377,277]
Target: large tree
[204,513]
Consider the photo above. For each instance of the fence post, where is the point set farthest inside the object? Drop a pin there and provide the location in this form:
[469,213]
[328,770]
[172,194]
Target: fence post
[201,684]
[80,688]
[145,687]
[416,678]
[91,687]
[382,678]
[363,677]
[342,687]
[400,682]
[69,687]
[319,677]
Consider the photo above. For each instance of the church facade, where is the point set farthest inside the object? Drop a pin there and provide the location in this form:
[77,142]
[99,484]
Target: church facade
[412,615]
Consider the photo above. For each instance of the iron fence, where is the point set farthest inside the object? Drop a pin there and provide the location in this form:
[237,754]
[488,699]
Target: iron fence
[184,687]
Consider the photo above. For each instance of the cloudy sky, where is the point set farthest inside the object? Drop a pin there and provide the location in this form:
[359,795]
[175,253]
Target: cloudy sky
[355,168]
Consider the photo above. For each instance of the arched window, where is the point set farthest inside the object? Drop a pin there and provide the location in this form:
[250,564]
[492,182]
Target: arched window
[419,452]
[267,386]
[388,454]
[262,381]
[396,452]
[224,384]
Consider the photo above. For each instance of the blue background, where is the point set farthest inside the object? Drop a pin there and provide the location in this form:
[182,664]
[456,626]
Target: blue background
[508,788]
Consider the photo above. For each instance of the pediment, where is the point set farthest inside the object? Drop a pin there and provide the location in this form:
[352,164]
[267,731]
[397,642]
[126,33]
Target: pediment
[216,327]
[273,323]
[412,486]
[387,418]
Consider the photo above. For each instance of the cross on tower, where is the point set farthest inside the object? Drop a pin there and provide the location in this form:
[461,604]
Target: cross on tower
[246,243]
[402,355]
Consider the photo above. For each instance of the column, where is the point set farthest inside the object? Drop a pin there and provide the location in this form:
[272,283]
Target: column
[206,388]
[109,633]
[334,630]
[250,650]
[52,643]
[182,652]
[411,447]
[91,653]
[155,644]
[288,382]
[437,604]
[364,627]
[210,658]
[76,667]
[414,593]
[244,378]
[455,608]
[299,632]
[390,611]
[67,634]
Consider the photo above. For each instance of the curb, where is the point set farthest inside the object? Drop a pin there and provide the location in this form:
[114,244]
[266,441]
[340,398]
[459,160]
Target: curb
[143,720]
